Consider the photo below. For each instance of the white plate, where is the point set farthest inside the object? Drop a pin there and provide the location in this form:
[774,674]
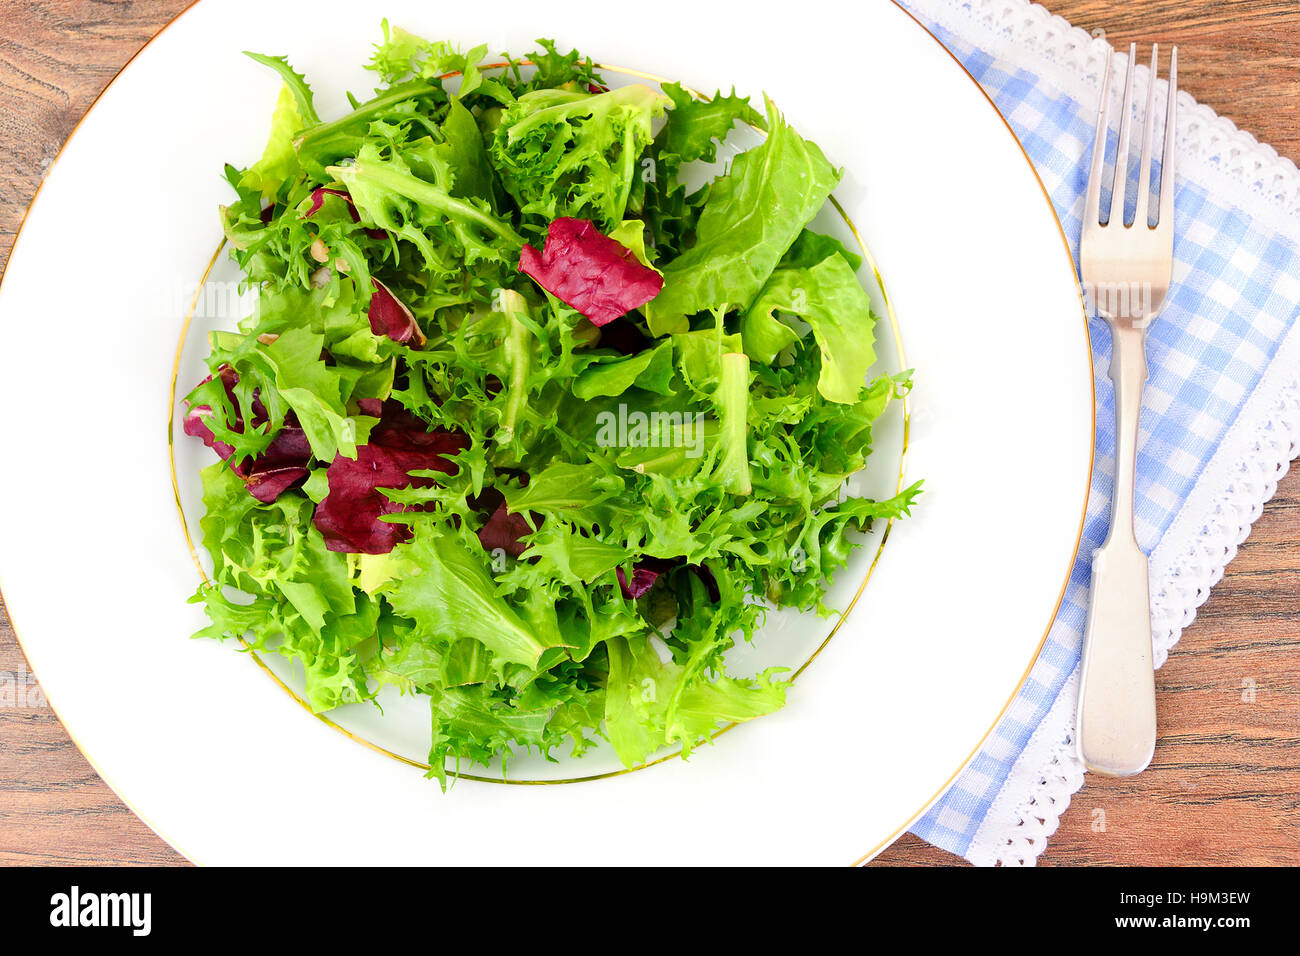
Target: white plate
[229,769]
[401,726]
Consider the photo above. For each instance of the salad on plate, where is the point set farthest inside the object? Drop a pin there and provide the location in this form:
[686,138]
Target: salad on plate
[523,422]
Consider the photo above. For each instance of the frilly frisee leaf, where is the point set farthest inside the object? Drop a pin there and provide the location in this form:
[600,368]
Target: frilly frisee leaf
[573,153]
[650,703]
[294,82]
[695,125]
[391,197]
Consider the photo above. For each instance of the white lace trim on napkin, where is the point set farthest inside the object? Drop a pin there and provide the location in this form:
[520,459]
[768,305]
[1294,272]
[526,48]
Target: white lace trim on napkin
[1243,474]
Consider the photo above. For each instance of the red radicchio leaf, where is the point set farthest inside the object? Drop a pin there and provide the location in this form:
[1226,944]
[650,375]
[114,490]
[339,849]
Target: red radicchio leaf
[589,271]
[646,571]
[284,462]
[643,579]
[389,316]
[644,574]
[318,199]
[349,516]
[280,467]
[505,530]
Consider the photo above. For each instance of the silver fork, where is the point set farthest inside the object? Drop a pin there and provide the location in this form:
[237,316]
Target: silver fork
[1126,269]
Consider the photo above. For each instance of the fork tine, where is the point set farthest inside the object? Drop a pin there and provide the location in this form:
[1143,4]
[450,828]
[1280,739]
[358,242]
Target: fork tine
[1125,135]
[1142,213]
[1171,133]
[1092,205]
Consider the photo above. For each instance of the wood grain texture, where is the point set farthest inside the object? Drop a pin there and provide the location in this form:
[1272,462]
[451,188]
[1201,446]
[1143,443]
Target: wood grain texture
[55,58]
[1238,56]
[1224,784]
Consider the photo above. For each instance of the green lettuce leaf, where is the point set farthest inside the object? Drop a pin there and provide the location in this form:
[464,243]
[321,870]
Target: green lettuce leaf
[830,299]
[449,593]
[753,215]
[650,703]
[279,161]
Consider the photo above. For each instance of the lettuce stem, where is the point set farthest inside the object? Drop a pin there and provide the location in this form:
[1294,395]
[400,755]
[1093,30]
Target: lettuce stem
[518,346]
[733,403]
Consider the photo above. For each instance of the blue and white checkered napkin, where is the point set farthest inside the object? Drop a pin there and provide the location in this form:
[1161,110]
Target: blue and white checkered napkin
[1219,419]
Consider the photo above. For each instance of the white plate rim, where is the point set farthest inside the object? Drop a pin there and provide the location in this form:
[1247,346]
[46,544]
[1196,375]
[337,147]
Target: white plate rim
[888,840]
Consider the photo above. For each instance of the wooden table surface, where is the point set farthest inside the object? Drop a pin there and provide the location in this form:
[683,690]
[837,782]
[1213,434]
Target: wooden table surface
[1225,784]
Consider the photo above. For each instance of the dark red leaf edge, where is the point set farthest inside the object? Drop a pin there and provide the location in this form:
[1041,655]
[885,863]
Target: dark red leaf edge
[586,269]
[647,571]
[281,466]
[504,530]
[389,316]
[318,199]
[349,516]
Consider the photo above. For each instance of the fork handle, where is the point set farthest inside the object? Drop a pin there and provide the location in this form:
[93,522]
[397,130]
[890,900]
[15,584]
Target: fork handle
[1117,694]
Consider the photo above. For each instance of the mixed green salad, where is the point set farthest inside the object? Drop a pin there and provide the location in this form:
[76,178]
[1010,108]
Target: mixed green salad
[521,422]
